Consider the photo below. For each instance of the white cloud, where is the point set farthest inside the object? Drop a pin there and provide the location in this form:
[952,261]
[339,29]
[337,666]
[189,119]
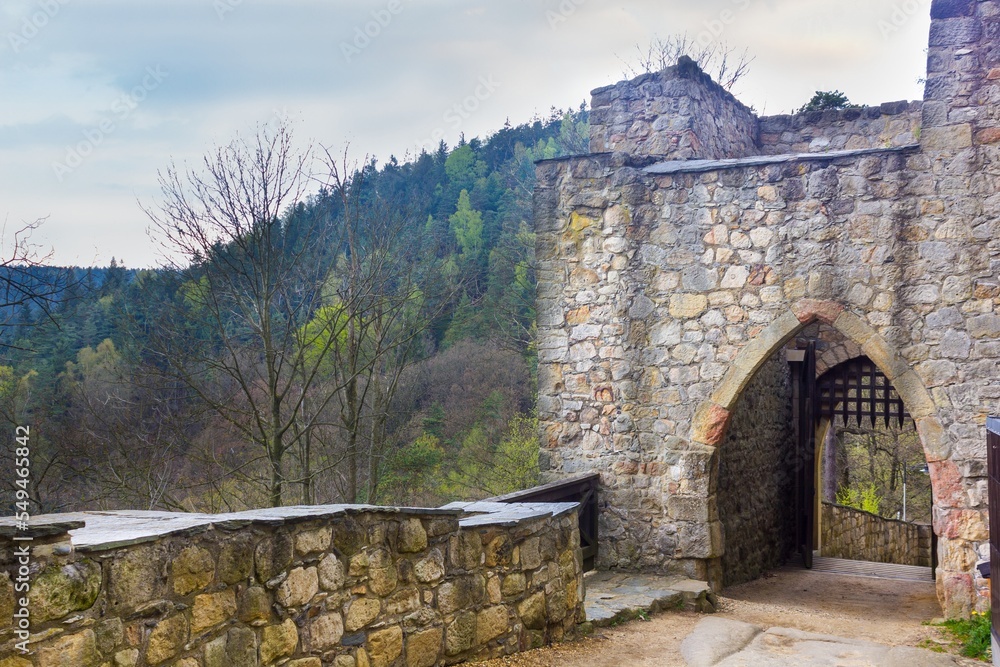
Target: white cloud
[285,55]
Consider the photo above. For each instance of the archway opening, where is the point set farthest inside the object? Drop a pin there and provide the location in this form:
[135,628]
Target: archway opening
[819,457]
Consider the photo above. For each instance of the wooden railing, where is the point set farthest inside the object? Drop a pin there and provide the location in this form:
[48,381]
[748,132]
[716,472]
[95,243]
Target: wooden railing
[580,489]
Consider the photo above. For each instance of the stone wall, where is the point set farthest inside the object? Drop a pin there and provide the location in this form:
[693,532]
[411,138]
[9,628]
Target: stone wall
[678,113]
[856,535]
[756,480]
[885,126]
[663,288]
[342,586]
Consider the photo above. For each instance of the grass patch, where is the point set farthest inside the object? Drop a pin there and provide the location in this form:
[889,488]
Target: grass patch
[972,634]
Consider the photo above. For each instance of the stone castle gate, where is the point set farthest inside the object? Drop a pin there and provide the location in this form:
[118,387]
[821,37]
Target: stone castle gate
[697,242]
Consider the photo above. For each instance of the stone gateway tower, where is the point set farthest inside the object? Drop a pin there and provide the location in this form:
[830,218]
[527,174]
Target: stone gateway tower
[682,260]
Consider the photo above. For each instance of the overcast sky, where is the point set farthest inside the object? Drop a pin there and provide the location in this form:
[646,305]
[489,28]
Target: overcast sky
[97,95]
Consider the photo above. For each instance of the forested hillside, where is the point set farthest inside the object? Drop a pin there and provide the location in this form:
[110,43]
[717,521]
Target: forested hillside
[369,342]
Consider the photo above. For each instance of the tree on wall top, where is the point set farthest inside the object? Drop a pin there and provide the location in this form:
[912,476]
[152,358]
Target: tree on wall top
[825,100]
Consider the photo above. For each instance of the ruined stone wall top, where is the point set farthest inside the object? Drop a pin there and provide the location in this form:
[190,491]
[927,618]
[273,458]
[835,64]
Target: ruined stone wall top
[678,113]
[889,125]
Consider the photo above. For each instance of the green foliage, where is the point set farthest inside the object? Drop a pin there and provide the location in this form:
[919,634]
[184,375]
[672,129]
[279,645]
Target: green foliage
[865,498]
[826,100]
[484,468]
[973,634]
[467,225]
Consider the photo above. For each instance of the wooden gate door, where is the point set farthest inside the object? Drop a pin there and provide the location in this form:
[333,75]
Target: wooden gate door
[993,465]
[803,366]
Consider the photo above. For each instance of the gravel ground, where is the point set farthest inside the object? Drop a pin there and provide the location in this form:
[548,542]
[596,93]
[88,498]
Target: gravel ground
[886,611]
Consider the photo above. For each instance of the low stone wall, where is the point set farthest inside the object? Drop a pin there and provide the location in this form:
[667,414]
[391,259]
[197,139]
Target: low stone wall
[851,533]
[301,587]
[890,124]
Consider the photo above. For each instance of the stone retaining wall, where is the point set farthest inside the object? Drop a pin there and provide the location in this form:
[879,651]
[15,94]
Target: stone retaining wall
[345,587]
[857,535]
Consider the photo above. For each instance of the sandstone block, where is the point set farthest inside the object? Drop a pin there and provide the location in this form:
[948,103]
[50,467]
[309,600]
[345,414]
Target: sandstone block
[192,570]
[312,541]
[385,646]
[461,632]
[167,639]
[299,588]
[254,606]
[57,591]
[278,641]
[272,555]
[412,536]
[212,609]
[325,631]
[331,573]
[78,649]
[431,568]
[423,648]
[361,612]
[684,306]
[236,560]
[491,623]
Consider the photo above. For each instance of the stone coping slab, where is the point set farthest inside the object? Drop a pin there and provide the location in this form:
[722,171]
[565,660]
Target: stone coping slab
[104,530]
[488,513]
[698,166]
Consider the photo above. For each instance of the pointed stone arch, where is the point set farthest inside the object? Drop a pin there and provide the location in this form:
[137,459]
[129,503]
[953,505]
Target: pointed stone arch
[713,415]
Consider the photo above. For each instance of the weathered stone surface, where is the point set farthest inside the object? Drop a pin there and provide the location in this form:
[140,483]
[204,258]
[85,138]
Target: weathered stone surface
[382,573]
[431,568]
[278,641]
[136,576]
[272,555]
[423,648]
[460,635]
[236,560]
[491,623]
[312,541]
[361,612]
[325,631]
[412,536]
[236,648]
[57,591]
[14,661]
[385,646]
[331,573]
[167,639]
[192,570]
[130,658]
[79,650]
[211,609]
[532,611]
[300,587]
[254,606]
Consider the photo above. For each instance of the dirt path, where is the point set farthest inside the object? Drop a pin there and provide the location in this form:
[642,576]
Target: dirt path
[886,611]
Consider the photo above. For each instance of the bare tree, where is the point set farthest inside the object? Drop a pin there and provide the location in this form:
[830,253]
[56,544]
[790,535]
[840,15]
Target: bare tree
[725,65]
[237,337]
[292,323]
